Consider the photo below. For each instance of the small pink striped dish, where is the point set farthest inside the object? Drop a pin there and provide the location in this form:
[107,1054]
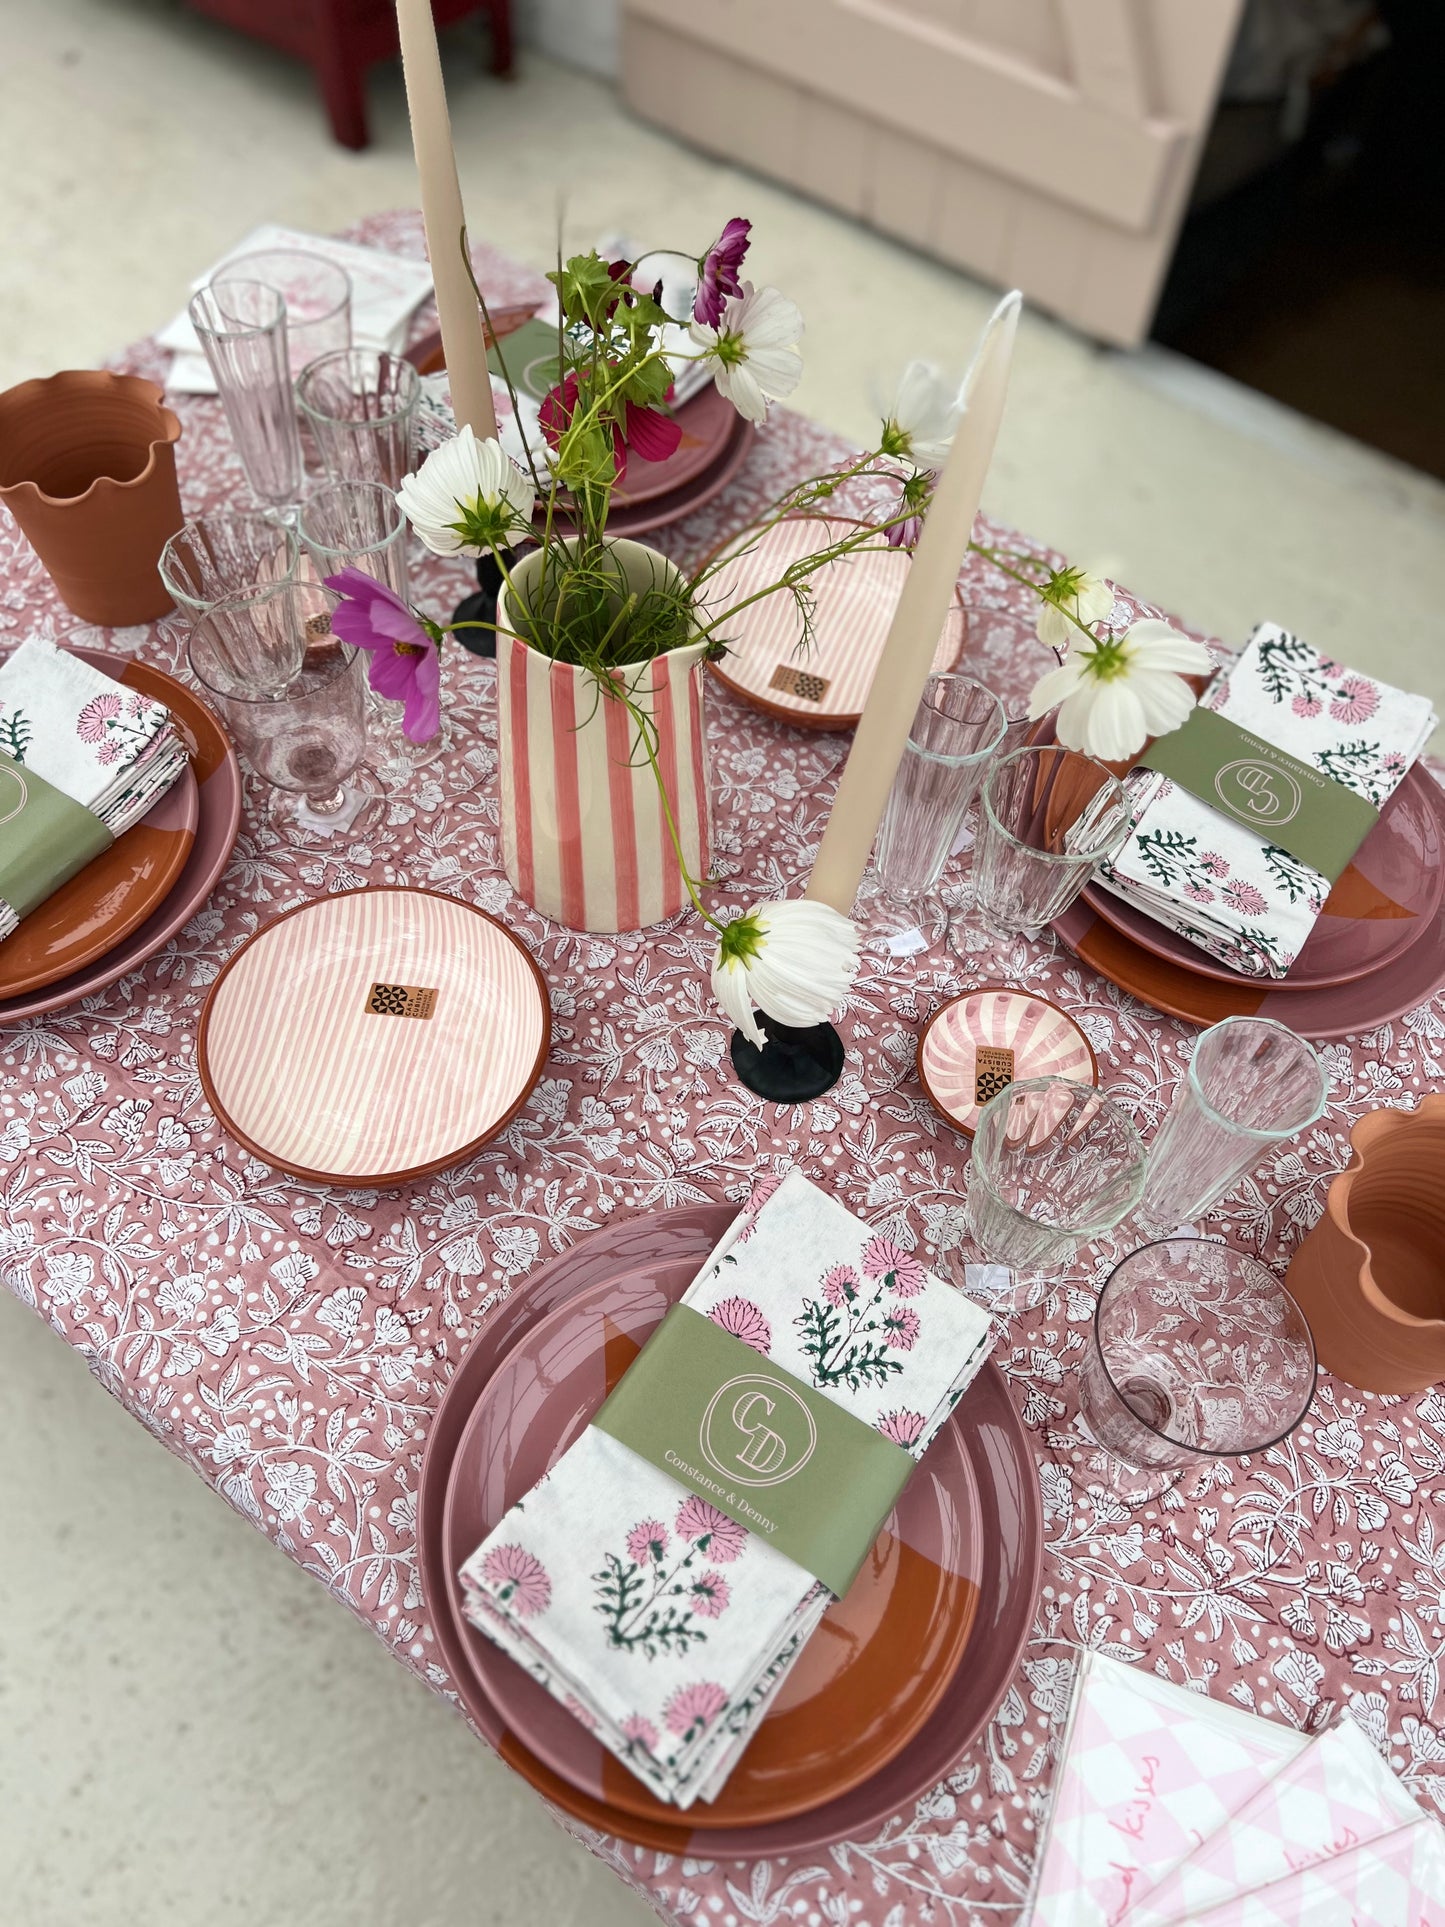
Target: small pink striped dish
[826,684]
[974,1046]
[373,1037]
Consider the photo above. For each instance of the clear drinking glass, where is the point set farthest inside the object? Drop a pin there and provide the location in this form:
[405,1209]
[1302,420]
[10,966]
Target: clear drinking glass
[1250,1082]
[316,291]
[242,327]
[1055,1164]
[246,646]
[955,731]
[361,405]
[1048,816]
[1198,1353]
[308,741]
[226,555]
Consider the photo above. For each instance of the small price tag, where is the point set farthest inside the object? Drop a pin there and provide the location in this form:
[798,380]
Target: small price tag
[401,1000]
[801,683]
[993,1071]
[963,841]
[907,943]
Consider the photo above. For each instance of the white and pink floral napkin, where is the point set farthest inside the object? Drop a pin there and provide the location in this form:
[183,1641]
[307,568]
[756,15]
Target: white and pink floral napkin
[110,748]
[628,1595]
[1173,1810]
[1237,896]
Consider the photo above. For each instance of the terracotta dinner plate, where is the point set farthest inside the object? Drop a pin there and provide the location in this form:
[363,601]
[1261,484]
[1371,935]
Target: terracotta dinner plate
[825,684]
[1010,1531]
[1382,903]
[1322,1013]
[103,903]
[374,1036]
[867,1679]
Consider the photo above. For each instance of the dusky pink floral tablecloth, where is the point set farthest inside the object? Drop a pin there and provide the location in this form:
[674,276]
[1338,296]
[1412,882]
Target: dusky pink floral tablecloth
[292,1343]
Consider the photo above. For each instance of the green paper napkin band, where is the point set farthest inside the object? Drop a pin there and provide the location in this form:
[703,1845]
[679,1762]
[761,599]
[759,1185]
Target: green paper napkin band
[769,1451]
[45,837]
[1263,787]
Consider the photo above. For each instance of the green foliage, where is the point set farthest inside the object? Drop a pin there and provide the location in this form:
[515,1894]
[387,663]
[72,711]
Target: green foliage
[665,1629]
[15,734]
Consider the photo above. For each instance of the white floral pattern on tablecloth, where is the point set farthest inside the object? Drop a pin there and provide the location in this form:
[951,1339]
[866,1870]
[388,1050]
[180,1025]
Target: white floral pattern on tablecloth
[291,1343]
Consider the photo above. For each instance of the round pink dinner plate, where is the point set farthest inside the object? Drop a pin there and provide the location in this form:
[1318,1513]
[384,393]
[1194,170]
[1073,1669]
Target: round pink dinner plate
[373,1036]
[867,1679]
[1384,901]
[1325,1013]
[825,684]
[1009,1522]
[214,790]
[639,518]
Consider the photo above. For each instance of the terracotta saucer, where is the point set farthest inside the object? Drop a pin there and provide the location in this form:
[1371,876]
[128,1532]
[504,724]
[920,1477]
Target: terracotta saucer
[373,1037]
[1382,903]
[1011,1525]
[1019,1035]
[826,684]
[1324,1013]
[115,893]
[868,1678]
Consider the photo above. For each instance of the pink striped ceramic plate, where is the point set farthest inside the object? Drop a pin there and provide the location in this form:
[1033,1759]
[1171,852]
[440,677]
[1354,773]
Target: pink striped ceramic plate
[978,1043]
[373,1037]
[825,684]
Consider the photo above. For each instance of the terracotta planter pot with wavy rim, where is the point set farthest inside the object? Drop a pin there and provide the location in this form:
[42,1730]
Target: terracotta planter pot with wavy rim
[1370,1277]
[88,470]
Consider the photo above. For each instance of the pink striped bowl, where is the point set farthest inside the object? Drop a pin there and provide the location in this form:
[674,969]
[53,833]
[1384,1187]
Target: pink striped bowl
[1039,1038]
[373,1037]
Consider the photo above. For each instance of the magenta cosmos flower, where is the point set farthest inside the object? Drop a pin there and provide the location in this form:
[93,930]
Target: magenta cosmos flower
[717,272]
[648,433]
[405,664]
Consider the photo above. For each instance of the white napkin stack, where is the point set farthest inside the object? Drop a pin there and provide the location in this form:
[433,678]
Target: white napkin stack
[1227,889]
[111,748]
[631,1598]
[386,291]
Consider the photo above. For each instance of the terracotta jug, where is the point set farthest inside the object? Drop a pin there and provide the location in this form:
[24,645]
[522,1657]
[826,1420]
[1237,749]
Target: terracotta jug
[1370,1277]
[88,470]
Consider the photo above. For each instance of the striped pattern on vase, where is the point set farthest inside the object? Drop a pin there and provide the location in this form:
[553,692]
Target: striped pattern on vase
[585,838]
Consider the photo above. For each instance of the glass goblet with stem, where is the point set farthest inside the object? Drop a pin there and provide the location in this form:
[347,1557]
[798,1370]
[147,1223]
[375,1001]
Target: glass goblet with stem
[1055,1165]
[308,741]
[359,525]
[1198,1353]
[956,731]
[241,325]
[227,556]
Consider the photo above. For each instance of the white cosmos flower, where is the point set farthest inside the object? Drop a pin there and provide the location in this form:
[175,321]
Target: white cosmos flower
[921,424]
[1088,597]
[466,495]
[753,351]
[795,961]
[1113,697]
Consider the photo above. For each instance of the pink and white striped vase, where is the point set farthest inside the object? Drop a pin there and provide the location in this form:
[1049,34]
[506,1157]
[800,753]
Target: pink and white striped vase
[585,838]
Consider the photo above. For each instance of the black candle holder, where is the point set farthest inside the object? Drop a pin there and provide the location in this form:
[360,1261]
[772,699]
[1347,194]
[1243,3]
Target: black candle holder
[481,606]
[793,1065]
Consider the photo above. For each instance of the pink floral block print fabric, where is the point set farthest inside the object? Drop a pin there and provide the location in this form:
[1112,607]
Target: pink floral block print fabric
[291,1344]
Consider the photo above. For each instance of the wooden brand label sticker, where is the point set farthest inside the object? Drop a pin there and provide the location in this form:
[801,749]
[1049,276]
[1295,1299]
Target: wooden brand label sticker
[401,1000]
[993,1069]
[798,682]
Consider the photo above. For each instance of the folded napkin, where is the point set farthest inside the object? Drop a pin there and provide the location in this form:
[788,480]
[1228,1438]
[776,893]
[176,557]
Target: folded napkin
[109,748]
[651,1614]
[1237,896]
[386,291]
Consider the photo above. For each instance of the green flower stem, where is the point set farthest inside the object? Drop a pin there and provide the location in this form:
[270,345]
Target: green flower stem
[995,556]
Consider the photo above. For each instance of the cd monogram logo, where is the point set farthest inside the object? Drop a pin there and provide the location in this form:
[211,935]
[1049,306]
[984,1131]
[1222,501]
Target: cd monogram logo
[14,793]
[756,1431]
[1258,793]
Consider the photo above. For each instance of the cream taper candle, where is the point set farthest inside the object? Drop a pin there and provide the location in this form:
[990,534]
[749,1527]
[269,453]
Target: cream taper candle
[907,659]
[463,341]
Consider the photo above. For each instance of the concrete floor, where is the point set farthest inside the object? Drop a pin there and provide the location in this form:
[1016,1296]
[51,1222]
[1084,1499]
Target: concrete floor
[189,1729]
